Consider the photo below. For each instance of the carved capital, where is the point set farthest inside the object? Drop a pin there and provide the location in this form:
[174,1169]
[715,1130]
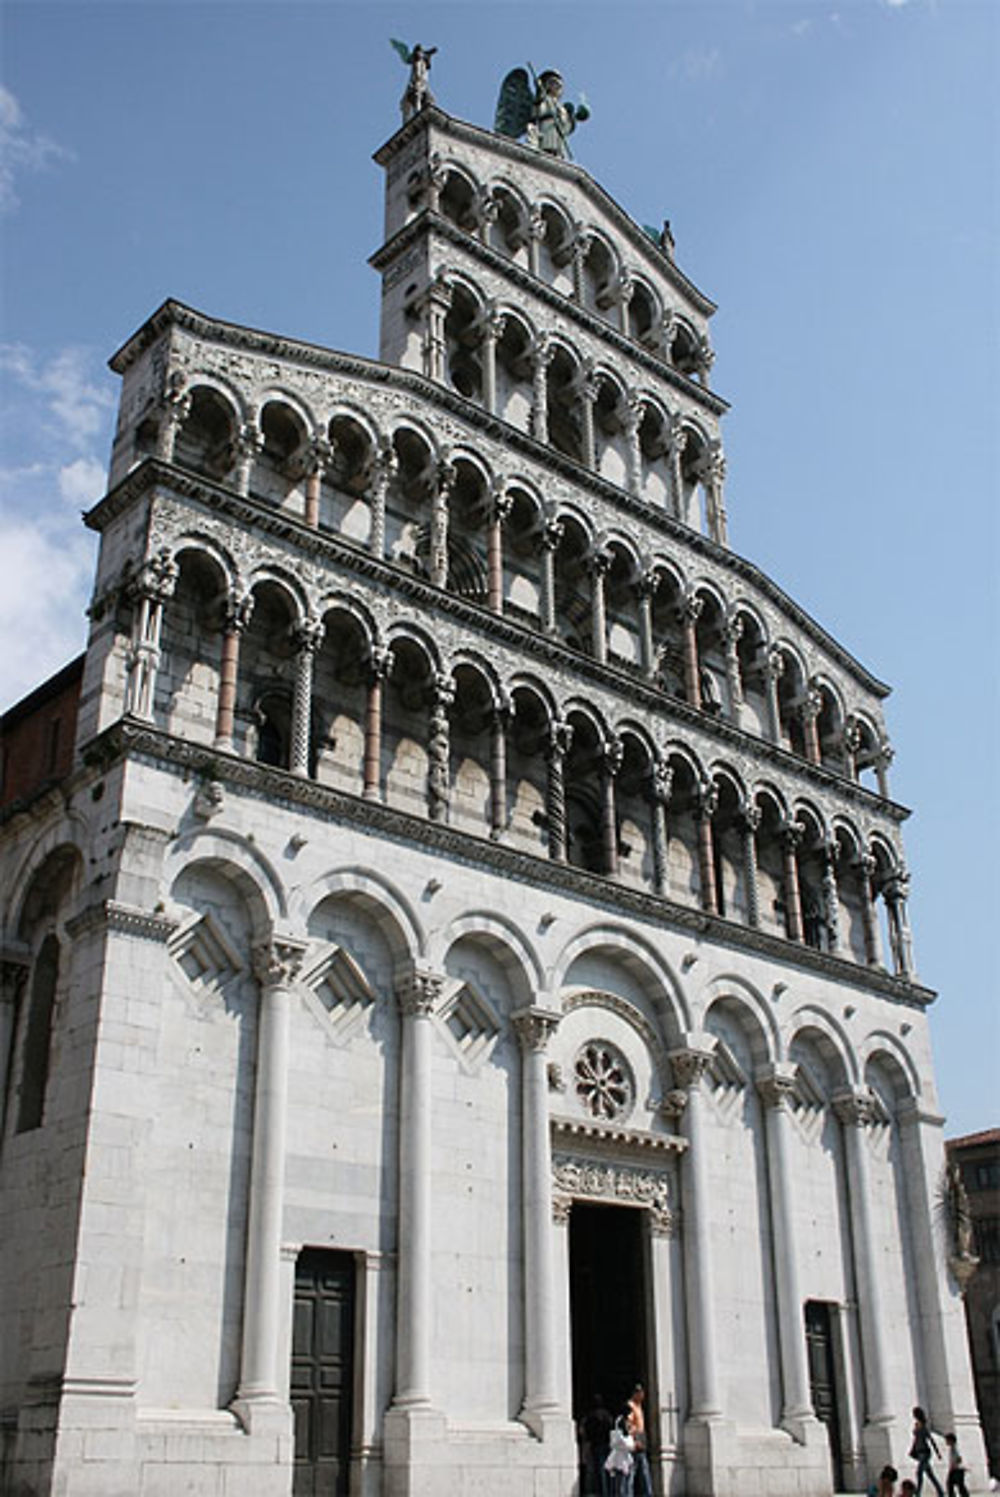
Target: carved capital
[307,635]
[691,609]
[277,963]
[854,1106]
[419,994]
[775,1084]
[791,833]
[552,534]
[750,817]
[689,1065]
[732,629]
[774,665]
[560,739]
[380,663]
[707,801]
[156,578]
[237,611]
[534,1028]
[599,562]
[612,753]
[661,783]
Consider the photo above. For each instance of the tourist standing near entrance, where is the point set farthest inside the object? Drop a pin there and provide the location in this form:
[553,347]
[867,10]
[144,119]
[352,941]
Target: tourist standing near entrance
[642,1484]
[621,1461]
[921,1449]
[956,1468]
[596,1430]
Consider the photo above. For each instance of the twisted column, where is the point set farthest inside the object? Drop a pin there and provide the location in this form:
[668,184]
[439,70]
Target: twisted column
[307,636]
[631,420]
[689,1065]
[276,966]
[417,1000]
[379,667]
[534,1027]
[383,469]
[831,896]
[775,1086]
[750,819]
[150,589]
[439,751]
[445,482]
[732,633]
[588,392]
[560,738]
[237,610]
[542,354]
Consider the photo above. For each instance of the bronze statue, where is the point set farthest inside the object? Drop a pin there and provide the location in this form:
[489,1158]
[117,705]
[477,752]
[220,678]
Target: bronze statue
[417,94]
[539,113]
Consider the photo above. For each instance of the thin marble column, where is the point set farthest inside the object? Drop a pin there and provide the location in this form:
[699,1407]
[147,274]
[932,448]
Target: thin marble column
[631,419]
[831,896]
[501,505]
[237,610]
[379,667]
[153,586]
[774,667]
[775,1086]
[705,808]
[276,966]
[587,393]
[611,762]
[732,633]
[317,459]
[896,888]
[534,1027]
[661,782]
[491,331]
[542,354]
[678,442]
[645,589]
[417,1000]
[689,1065]
[598,566]
[750,819]
[501,716]
[247,447]
[690,612]
[438,561]
[437,302]
[439,750]
[552,534]
[853,1107]
[384,467]
[791,836]
[866,866]
[809,711]
[175,408]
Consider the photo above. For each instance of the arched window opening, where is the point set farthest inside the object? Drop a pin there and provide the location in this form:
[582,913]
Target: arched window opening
[187,683]
[572,588]
[458,202]
[635,829]
[277,473]
[38,1036]
[772,891]
[463,336]
[654,456]
[408,499]
[621,606]
[584,801]
[468,514]
[611,458]
[522,586]
[830,731]
[469,749]
[509,232]
[409,698]
[341,681]
[668,644]
[727,845]
[263,695]
[711,655]
[599,277]
[683,870]
[644,318]
[272,718]
[791,692]
[556,250]
[206,440]
[527,802]
[816,921]
[685,351]
[514,374]
[565,416]
[751,655]
[343,500]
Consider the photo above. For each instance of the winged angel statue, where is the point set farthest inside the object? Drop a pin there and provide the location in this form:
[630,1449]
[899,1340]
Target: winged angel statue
[418,60]
[538,113]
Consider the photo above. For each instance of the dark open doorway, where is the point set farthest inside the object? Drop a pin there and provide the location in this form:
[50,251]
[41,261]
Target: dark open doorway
[609,1302]
[826,1377]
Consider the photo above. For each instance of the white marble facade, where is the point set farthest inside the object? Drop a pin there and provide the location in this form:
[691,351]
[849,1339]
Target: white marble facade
[477,918]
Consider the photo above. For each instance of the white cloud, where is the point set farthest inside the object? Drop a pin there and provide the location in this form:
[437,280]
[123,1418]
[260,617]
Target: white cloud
[47,579]
[21,149]
[82,482]
[78,404]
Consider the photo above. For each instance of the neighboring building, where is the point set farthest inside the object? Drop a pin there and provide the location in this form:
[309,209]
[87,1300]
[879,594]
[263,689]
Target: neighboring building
[978,1157]
[467,964]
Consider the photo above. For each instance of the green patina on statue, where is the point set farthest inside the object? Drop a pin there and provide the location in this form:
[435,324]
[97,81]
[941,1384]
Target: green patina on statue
[538,113]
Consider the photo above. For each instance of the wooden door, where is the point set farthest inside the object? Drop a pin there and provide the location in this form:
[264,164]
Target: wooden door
[823,1380]
[322,1379]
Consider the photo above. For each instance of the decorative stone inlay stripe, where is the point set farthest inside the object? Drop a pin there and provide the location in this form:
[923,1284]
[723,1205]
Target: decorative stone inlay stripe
[273,786]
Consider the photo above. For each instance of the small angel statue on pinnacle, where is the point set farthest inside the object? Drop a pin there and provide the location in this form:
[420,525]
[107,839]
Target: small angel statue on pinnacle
[538,113]
[417,94]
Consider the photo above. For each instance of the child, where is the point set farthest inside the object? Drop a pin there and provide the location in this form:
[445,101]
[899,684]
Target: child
[956,1468]
[907,1488]
[886,1484]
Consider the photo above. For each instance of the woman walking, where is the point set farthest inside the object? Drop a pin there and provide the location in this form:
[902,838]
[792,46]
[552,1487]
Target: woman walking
[921,1449]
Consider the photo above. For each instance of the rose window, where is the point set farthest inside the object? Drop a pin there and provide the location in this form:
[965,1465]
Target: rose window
[603,1081]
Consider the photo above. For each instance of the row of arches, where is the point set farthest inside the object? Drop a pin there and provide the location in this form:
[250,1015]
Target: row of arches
[496,542]
[389,719]
[578,260]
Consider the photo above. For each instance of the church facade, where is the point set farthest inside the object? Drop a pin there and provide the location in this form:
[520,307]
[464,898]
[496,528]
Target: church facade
[466,966]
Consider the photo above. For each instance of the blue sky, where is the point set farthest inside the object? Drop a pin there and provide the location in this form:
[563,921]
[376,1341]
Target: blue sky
[832,172]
